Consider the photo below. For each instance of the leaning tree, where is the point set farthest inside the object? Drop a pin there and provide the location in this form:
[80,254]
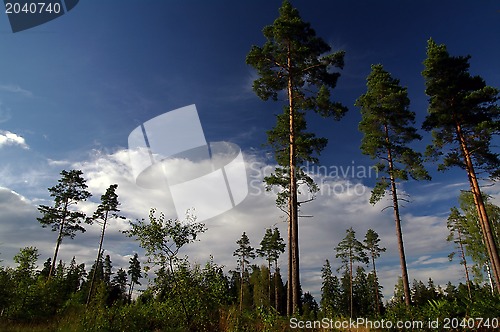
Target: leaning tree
[463,116]
[62,216]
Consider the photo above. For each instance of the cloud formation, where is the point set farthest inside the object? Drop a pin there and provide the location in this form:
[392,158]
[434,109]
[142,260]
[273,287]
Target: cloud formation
[8,138]
[342,204]
[14,88]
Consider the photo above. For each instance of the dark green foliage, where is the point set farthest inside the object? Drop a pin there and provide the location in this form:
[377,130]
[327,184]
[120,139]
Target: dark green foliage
[163,238]
[107,209]
[387,127]
[134,272]
[70,190]
[62,217]
[350,251]
[457,97]
[465,221]
[371,243]
[330,291]
[310,307]
[107,270]
[244,252]
[463,116]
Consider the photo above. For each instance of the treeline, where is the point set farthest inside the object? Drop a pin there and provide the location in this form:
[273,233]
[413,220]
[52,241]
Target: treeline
[182,296]
[187,296]
[353,291]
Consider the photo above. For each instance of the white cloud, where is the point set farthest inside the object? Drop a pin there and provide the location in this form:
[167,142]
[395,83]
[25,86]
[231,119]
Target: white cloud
[14,88]
[8,138]
[58,163]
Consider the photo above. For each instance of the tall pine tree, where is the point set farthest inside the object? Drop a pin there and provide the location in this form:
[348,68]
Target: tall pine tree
[108,209]
[296,62]
[371,243]
[463,116]
[62,217]
[350,250]
[244,252]
[387,127]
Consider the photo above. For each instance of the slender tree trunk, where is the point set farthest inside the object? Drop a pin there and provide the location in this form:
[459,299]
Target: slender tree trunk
[97,259]
[351,288]
[377,306]
[58,243]
[397,219]
[269,277]
[488,273]
[487,233]
[293,195]
[130,290]
[241,283]
[276,292]
[462,252]
[59,239]
[289,306]
[181,296]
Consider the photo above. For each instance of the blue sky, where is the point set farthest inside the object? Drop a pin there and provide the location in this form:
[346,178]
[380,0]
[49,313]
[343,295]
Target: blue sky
[72,90]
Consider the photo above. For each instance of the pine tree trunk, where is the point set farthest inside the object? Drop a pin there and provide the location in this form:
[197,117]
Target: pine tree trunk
[269,279]
[351,288]
[480,206]
[241,283]
[276,292]
[462,252]
[377,306]
[295,280]
[97,260]
[59,239]
[397,219]
[289,307]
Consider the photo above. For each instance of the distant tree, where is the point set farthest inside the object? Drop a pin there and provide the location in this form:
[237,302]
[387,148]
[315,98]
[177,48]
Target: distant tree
[387,127]
[463,116]
[362,294]
[375,293]
[422,294]
[345,294]
[295,61]
[271,247]
[134,272]
[108,270]
[46,268]
[244,252]
[350,250]
[259,285]
[118,286]
[26,260]
[74,276]
[162,239]
[371,243]
[474,245]
[107,209]
[455,224]
[330,291]
[70,190]
[310,306]
[399,294]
